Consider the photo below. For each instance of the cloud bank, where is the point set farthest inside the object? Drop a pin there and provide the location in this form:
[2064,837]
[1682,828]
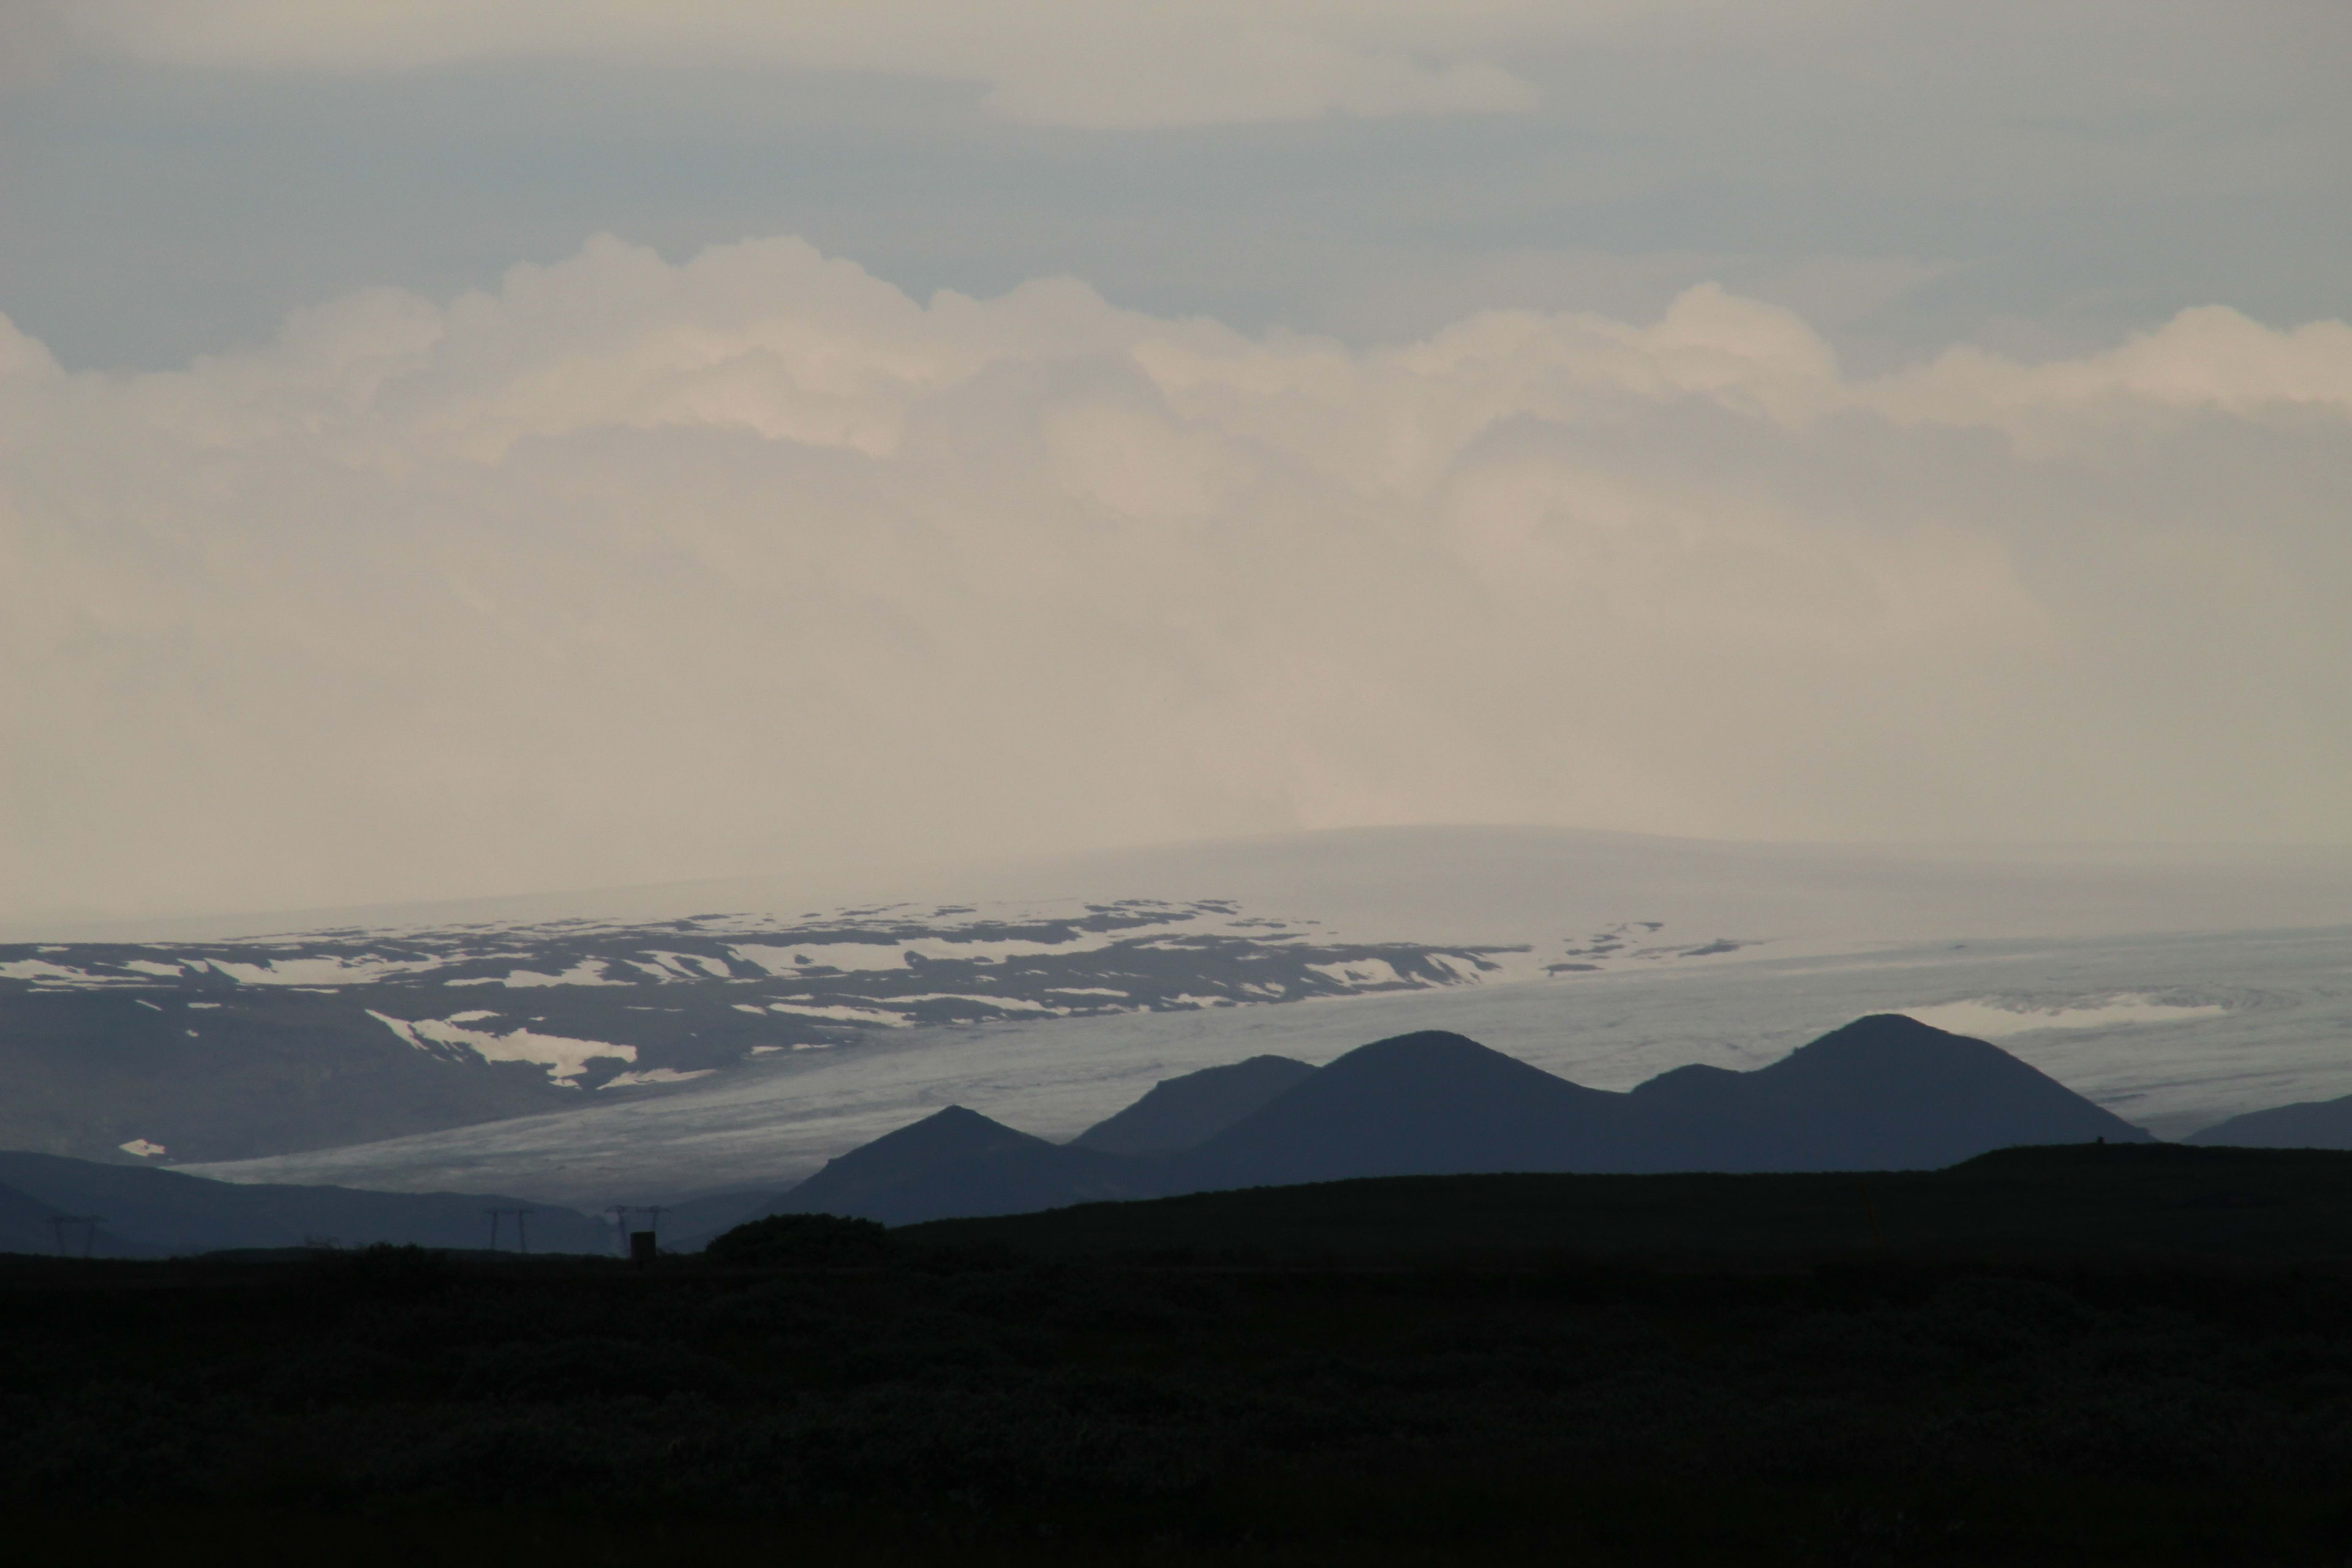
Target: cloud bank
[1106,64]
[633,571]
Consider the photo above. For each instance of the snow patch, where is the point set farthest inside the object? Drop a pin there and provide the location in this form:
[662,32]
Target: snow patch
[587,971]
[844,1015]
[1993,1017]
[329,971]
[1009,1003]
[847,956]
[1362,972]
[657,1074]
[565,1059]
[42,969]
[143,1148]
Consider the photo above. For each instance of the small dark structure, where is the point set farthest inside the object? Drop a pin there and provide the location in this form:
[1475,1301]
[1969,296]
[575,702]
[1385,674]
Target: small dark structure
[60,1224]
[521,1219]
[643,1244]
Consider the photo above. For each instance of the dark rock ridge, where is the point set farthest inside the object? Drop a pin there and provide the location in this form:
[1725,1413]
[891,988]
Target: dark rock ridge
[1884,1092]
[2306,1124]
[1424,1104]
[944,1139]
[1181,1112]
[146,1213]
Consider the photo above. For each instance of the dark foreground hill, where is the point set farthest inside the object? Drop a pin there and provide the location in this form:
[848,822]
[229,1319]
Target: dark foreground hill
[142,1213]
[1638,1371]
[1884,1092]
[2117,1203]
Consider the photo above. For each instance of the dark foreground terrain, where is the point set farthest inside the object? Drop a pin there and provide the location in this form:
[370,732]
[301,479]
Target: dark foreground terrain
[2128,1353]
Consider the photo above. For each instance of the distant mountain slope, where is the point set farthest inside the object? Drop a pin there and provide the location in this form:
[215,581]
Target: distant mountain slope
[1882,1093]
[1182,1113]
[2307,1124]
[26,1226]
[164,1211]
[953,1138]
[1431,1102]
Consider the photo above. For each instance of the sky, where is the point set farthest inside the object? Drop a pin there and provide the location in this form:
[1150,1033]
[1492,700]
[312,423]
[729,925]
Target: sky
[477,447]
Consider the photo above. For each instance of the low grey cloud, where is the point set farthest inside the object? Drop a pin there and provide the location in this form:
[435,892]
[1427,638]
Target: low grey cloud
[629,570]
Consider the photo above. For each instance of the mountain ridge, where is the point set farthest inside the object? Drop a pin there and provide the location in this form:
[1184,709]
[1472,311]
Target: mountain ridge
[1884,1093]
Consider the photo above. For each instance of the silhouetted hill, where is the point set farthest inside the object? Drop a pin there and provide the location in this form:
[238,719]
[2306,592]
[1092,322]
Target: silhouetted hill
[688,1223]
[1423,1103]
[943,1138]
[163,1211]
[1883,1093]
[1181,1113]
[2306,1124]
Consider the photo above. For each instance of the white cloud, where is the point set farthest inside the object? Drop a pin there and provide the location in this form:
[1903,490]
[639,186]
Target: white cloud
[632,571]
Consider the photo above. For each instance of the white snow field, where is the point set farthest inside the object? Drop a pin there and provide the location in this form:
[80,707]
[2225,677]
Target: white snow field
[2175,986]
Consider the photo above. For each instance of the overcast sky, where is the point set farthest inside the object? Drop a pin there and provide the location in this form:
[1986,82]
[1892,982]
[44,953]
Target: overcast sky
[470,448]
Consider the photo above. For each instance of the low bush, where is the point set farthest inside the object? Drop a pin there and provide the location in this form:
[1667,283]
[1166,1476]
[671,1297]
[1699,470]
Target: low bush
[800,1240]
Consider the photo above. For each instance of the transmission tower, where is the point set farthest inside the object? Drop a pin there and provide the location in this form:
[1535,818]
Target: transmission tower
[60,1224]
[521,1219]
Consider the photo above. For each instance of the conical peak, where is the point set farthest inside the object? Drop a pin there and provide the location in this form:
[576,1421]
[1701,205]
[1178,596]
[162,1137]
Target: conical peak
[1883,1034]
[953,1128]
[1427,1046]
